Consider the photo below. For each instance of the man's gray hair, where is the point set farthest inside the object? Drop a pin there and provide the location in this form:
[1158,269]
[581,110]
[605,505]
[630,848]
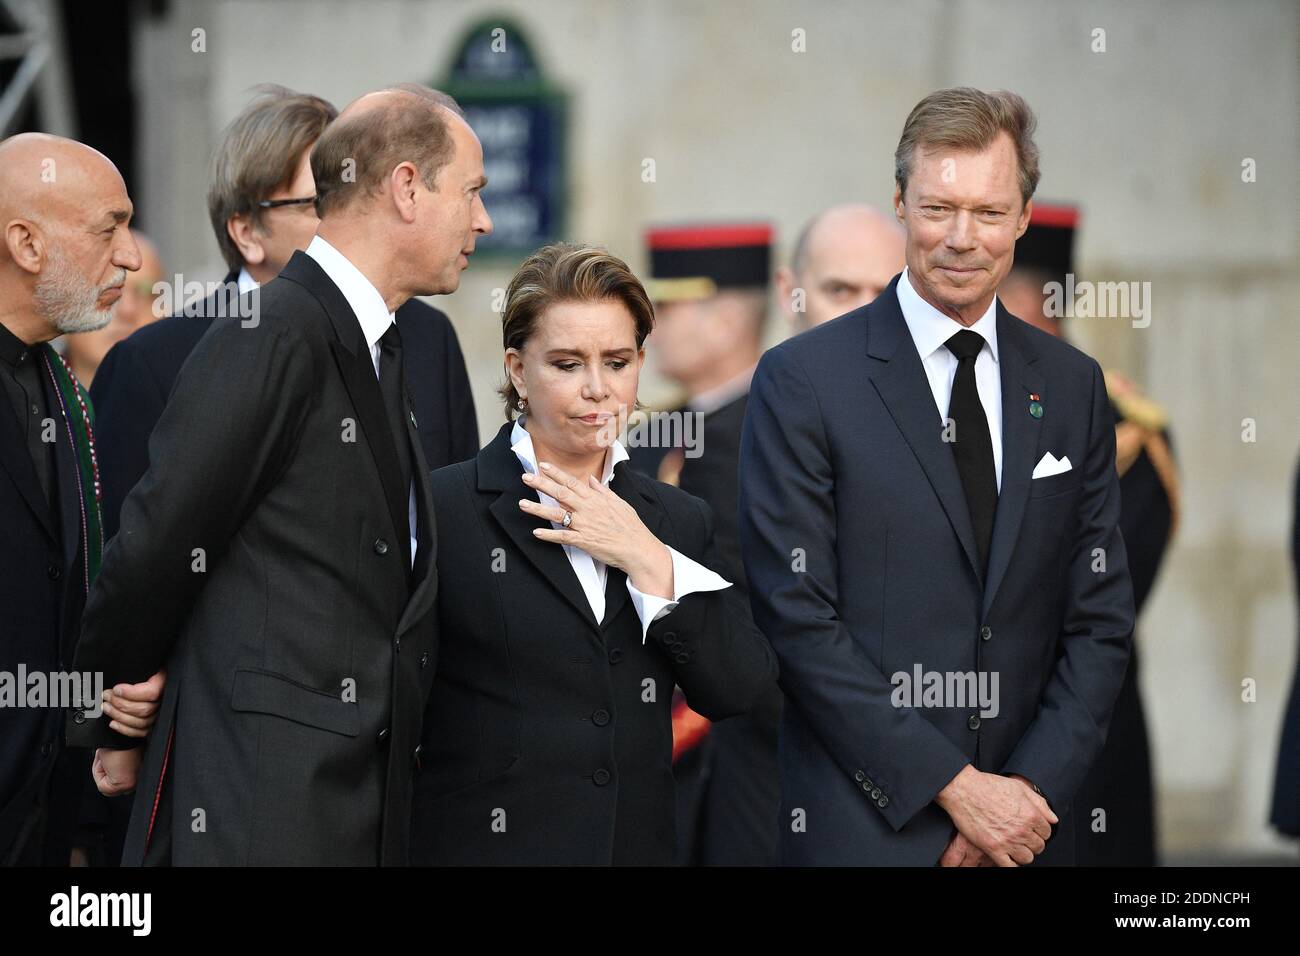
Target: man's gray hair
[965,118]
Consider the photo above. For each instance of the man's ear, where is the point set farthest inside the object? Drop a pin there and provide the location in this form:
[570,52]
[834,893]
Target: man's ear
[243,234]
[403,183]
[898,204]
[785,285]
[26,245]
[1025,213]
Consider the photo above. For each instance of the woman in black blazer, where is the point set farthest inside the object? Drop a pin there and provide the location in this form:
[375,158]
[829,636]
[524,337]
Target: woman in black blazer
[574,593]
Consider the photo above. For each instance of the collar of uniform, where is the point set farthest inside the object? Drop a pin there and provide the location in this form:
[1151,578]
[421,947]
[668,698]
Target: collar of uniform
[521,443]
[930,328]
[711,400]
[366,302]
[13,349]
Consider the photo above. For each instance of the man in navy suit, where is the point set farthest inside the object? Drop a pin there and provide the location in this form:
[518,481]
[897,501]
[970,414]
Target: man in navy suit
[929,520]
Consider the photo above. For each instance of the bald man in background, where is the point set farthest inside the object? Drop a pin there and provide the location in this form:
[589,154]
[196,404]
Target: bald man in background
[282,567]
[843,258]
[64,260]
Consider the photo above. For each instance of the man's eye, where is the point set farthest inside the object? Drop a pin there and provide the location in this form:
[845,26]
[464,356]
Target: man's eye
[566,366]
[618,365]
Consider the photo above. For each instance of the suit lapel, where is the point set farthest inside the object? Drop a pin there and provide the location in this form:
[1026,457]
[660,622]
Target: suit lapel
[426,588]
[899,378]
[18,463]
[65,466]
[1020,434]
[499,470]
[353,358]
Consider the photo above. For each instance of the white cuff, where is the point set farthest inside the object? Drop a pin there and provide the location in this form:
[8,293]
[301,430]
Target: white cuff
[688,577]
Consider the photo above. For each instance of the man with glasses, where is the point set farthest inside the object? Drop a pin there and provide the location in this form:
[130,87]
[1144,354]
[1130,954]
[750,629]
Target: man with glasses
[261,201]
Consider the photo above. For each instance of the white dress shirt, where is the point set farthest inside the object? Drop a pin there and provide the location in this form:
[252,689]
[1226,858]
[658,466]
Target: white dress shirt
[930,329]
[688,576]
[373,315]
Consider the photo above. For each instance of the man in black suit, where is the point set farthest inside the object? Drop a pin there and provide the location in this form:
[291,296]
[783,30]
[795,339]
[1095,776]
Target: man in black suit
[261,204]
[277,555]
[929,520]
[64,258]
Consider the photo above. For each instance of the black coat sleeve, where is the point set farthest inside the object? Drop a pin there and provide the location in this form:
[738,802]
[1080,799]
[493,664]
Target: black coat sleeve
[719,658]
[221,440]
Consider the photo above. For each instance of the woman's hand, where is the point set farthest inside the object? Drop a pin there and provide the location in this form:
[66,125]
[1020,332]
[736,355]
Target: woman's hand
[603,525]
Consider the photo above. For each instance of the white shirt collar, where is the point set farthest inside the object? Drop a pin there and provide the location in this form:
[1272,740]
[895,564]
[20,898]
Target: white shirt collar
[246,282]
[521,443]
[930,328]
[367,304]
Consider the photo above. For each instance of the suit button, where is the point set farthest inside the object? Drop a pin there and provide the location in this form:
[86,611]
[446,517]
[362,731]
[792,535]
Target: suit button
[424,660]
[600,718]
[54,572]
[866,787]
[875,794]
[882,802]
[616,655]
[381,546]
[676,647]
[78,716]
[415,756]
[670,636]
[974,722]
[986,633]
[859,776]
[683,658]
[46,748]
[383,736]
[600,777]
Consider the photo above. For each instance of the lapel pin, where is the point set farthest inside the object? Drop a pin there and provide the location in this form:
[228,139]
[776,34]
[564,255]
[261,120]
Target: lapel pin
[1035,406]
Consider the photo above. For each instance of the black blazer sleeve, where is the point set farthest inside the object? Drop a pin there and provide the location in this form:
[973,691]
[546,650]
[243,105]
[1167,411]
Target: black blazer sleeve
[221,440]
[128,401]
[719,658]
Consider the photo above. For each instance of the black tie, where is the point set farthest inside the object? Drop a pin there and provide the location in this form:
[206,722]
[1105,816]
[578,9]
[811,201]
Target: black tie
[973,448]
[393,386]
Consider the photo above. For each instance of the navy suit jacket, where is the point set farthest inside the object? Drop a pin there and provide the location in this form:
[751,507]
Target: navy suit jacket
[862,563]
[133,383]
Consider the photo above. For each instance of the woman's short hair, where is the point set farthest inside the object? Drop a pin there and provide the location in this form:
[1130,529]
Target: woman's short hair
[567,272]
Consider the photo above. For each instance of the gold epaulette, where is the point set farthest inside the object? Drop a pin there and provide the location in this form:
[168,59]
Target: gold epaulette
[1133,404]
[1142,430]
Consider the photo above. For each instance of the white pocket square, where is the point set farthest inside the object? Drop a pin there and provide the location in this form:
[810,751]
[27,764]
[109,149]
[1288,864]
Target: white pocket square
[1051,466]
